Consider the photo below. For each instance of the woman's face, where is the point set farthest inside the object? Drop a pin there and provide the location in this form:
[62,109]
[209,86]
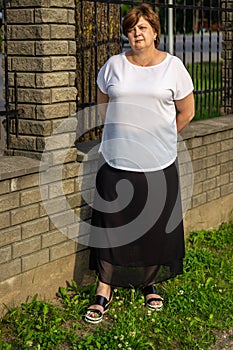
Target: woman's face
[142,35]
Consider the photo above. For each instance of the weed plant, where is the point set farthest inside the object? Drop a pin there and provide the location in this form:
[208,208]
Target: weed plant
[197,307]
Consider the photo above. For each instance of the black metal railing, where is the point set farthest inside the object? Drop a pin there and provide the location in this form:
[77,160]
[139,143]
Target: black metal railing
[192,30]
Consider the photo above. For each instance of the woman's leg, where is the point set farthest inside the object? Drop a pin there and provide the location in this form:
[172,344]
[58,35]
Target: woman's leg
[103,290]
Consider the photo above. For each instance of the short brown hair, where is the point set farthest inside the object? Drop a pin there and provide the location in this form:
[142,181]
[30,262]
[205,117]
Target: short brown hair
[144,10]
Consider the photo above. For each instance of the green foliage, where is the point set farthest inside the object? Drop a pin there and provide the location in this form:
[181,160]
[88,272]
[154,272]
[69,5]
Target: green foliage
[197,305]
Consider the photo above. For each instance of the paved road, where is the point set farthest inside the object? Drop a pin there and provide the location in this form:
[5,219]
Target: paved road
[202,44]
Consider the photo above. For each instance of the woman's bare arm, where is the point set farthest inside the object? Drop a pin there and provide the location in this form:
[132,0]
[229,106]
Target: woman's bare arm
[186,111]
[102,102]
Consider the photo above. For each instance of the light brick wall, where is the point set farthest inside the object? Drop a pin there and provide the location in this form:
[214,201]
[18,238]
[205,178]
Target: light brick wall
[30,243]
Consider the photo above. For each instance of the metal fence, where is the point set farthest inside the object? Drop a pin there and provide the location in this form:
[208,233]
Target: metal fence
[190,29]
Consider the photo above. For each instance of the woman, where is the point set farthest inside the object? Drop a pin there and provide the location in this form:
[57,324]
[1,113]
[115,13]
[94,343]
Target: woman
[148,95]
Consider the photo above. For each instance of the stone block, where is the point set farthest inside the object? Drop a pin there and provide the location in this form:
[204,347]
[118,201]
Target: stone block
[209,184]
[36,32]
[53,238]
[30,3]
[63,3]
[226,167]
[213,194]
[26,247]
[56,205]
[27,111]
[212,172]
[56,47]
[23,142]
[66,125]
[199,200]
[224,157]
[34,260]
[35,227]
[32,127]
[30,64]
[4,186]
[5,254]
[63,94]
[200,176]
[62,31]
[222,179]
[23,80]
[32,196]
[10,235]
[53,143]
[24,182]
[62,250]
[213,148]
[61,188]
[86,182]
[197,188]
[4,220]
[71,170]
[72,50]
[62,63]
[64,156]
[197,165]
[71,17]
[210,161]
[75,200]
[9,201]
[198,153]
[226,189]
[10,269]
[25,214]
[44,80]
[21,48]
[62,221]
[18,16]
[72,108]
[34,95]
[212,138]
[51,111]
[51,15]
[227,145]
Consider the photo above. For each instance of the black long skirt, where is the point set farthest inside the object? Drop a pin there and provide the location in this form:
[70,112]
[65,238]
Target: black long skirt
[138,240]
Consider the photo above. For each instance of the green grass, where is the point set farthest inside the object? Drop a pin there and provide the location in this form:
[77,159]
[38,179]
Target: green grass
[207,76]
[198,306]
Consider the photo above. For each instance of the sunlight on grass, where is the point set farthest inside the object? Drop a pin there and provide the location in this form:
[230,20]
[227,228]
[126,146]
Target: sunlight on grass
[197,305]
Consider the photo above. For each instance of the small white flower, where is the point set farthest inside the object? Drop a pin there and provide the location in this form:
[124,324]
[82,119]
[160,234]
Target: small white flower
[119,345]
[121,337]
[115,337]
[181,292]
[115,290]
[29,343]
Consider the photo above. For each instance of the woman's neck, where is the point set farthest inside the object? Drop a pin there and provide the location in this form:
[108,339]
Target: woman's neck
[145,58]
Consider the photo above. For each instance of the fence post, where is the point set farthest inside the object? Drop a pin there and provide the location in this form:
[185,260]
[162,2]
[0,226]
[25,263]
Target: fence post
[227,66]
[42,51]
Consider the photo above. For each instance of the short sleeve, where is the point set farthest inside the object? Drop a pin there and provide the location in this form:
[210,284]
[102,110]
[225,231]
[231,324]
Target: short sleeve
[101,81]
[184,83]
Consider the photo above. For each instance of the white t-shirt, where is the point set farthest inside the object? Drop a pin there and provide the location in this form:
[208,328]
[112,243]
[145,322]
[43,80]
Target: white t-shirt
[140,127]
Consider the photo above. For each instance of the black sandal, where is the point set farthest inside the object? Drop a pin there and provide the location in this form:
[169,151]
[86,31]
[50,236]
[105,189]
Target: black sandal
[98,315]
[152,290]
